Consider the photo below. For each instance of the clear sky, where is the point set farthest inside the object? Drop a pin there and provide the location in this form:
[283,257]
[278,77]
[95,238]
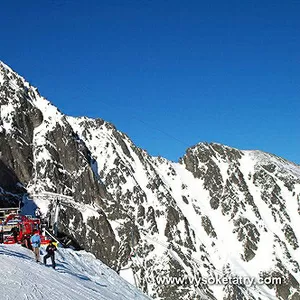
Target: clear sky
[170,74]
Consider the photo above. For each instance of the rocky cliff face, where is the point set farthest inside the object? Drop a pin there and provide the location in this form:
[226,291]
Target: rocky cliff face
[42,151]
[218,212]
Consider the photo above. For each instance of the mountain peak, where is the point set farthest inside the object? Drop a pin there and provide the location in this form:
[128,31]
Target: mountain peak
[5,68]
[12,79]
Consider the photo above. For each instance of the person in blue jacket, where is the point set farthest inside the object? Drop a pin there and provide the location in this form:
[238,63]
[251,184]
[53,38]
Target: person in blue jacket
[35,241]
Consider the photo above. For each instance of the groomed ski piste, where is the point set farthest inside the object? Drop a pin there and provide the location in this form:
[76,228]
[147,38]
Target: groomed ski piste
[78,276]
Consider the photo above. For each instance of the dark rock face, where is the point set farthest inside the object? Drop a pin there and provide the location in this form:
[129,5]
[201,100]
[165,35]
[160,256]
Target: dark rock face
[8,178]
[9,187]
[150,218]
[16,147]
[218,209]
[206,223]
[249,235]
[290,236]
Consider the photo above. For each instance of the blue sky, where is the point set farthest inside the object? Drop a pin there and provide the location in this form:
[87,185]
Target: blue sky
[170,74]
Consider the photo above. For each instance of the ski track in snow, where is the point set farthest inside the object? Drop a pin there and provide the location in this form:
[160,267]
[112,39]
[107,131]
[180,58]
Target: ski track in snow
[78,276]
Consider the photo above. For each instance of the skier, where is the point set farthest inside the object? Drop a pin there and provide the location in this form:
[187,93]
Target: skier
[35,241]
[51,248]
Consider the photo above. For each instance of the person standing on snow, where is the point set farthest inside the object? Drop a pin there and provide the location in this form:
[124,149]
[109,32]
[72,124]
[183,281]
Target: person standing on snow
[51,248]
[35,241]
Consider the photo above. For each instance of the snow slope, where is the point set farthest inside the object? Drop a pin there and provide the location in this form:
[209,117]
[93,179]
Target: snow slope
[78,276]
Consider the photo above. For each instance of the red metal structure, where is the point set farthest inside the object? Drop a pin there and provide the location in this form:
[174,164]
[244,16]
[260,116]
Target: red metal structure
[19,228]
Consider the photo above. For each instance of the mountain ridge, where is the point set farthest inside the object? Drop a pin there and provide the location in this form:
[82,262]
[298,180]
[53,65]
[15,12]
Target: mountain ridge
[100,119]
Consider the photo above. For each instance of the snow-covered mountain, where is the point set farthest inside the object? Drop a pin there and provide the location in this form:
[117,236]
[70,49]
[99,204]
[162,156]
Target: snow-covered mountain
[219,211]
[78,276]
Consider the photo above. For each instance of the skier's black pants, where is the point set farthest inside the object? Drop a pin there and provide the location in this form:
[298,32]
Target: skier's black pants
[52,259]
